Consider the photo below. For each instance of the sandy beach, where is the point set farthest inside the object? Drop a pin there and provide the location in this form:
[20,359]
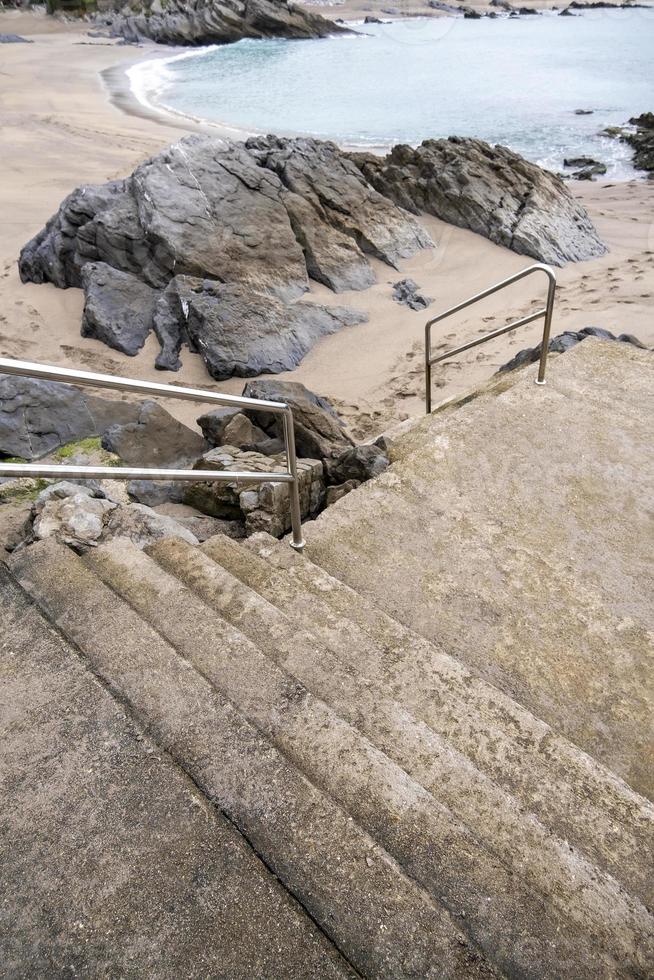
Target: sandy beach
[62,127]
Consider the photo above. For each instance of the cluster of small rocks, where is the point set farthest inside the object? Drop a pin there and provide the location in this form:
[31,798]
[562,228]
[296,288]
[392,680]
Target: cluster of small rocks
[85,513]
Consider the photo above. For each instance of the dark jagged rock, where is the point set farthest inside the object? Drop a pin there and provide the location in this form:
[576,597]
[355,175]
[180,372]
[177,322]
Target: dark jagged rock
[210,215]
[194,22]
[566,341]
[359,463]
[579,162]
[490,190]
[642,141]
[118,307]
[37,417]
[337,217]
[406,291]
[238,331]
[155,438]
[588,173]
[319,433]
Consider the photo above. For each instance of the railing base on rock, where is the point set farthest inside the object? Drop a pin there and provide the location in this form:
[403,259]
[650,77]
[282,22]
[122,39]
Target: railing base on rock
[89,379]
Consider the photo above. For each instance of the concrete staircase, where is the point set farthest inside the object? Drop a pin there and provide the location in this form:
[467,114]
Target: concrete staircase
[434,728]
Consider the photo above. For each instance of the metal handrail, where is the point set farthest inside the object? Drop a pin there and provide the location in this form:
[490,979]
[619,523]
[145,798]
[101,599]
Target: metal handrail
[546,312]
[46,372]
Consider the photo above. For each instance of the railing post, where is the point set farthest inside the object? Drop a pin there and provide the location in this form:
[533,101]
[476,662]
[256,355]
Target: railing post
[549,307]
[428,368]
[297,541]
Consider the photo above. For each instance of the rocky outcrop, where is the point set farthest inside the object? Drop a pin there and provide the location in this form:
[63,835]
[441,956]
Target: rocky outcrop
[223,234]
[37,417]
[566,341]
[195,22]
[241,331]
[154,439]
[642,141]
[491,191]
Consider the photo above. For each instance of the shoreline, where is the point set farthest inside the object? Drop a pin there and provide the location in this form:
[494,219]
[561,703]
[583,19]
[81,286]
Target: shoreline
[65,126]
[122,87]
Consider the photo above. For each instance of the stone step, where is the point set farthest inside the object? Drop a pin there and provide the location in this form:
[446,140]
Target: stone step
[547,595]
[385,924]
[111,862]
[585,804]
[563,925]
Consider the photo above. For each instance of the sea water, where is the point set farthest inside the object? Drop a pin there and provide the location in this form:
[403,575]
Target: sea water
[515,81]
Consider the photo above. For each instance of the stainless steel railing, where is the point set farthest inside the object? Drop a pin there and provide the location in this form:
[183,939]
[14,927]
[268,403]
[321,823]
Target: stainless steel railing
[27,369]
[545,312]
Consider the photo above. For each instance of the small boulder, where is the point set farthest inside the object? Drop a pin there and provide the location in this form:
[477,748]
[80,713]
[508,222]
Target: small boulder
[229,426]
[143,526]
[406,291]
[83,518]
[359,463]
[240,331]
[118,308]
[155,439]
[319,433]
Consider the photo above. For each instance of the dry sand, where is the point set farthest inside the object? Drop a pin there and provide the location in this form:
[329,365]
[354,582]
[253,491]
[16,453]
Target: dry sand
[60,129]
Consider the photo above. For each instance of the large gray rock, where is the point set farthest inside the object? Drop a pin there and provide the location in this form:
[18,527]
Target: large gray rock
[37,417]
[191,22]
[263,217]
[154,439]
[239,331]
[336,215]
[490,190]
[319,433]
[118,307]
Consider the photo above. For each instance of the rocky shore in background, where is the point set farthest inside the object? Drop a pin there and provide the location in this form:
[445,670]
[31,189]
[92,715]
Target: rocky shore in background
[199,22]
[211,244]
[642,141]
[492,191]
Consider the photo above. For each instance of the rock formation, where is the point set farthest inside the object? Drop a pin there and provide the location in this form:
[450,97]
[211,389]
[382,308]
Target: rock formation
[37,417]
[642,141]
[214,241]
[196,22]
[489,190]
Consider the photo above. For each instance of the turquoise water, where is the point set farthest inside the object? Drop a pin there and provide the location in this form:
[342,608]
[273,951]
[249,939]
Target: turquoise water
[512,81]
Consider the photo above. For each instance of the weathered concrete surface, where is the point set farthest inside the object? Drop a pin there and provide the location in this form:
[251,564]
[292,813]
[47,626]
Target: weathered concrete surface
[519,919]
[525,528]
[383,921]
[111,862]
[474,722]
